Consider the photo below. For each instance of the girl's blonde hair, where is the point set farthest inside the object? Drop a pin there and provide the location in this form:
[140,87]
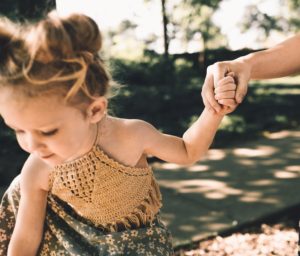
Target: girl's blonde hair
[56,54]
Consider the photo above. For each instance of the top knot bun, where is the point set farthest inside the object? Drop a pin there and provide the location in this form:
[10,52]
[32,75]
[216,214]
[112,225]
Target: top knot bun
[84,33]
[55,52]
[60,38]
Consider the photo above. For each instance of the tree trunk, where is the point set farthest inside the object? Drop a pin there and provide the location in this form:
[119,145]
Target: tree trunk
[165,28]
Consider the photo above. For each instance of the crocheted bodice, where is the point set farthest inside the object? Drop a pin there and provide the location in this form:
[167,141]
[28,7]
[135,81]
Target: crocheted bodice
[107,192]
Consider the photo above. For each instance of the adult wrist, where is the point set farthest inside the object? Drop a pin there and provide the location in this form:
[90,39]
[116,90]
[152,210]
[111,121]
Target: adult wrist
[247,63]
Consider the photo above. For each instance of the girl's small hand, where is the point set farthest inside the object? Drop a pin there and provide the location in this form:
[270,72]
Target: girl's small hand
[225,91]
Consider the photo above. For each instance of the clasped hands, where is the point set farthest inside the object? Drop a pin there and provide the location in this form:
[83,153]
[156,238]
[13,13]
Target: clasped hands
[224,92]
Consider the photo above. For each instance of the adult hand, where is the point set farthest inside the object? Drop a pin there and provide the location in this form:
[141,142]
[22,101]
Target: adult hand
[217,71]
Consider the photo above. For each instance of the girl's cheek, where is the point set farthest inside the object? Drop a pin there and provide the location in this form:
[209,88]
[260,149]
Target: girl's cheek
[22,143]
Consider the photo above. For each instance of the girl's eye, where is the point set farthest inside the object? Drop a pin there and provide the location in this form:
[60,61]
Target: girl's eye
[50,133]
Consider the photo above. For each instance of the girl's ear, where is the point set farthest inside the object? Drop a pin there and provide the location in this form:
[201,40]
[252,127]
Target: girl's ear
[97,110]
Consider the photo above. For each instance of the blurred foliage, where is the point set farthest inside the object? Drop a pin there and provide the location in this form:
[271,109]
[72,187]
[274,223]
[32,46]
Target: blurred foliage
[194,23]
[210,3]
[286,21]
[121,42]
[26,9]
[188,20]
[190,23]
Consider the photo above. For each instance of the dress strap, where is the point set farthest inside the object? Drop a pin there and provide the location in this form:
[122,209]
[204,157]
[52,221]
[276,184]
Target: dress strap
[97,135]
[98,132]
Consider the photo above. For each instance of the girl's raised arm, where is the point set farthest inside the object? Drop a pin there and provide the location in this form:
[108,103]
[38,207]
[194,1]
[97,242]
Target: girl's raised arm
[197,139]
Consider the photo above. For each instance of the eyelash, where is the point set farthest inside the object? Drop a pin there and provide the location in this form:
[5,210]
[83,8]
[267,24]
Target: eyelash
[50,133]
[47,134]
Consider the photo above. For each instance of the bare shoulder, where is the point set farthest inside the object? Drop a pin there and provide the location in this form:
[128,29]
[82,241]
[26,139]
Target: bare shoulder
[35,174]
[133,127]
[132,124]
[127,139]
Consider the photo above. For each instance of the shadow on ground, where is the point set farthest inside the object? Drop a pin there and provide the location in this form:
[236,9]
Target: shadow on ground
[230,187]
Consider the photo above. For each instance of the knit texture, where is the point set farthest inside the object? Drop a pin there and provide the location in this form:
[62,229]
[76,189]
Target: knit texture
[106,192]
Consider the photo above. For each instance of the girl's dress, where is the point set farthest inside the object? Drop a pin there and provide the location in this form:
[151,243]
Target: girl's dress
[95,206]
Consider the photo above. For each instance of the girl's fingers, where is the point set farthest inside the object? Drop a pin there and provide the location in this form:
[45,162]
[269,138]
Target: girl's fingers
[225,95]
[225,88]
[225,80]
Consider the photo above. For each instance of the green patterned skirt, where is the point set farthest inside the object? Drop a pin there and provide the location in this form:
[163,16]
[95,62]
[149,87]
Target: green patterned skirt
[66,233]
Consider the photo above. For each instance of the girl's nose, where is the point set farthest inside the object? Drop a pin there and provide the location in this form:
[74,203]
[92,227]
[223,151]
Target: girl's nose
[33,143]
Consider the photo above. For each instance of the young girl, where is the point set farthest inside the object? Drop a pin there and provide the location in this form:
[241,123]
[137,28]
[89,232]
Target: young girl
[86,187]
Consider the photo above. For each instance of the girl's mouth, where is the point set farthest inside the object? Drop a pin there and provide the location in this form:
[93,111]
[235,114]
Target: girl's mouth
[47,156]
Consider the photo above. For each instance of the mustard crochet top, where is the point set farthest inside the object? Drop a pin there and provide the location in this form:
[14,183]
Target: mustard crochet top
[106,192]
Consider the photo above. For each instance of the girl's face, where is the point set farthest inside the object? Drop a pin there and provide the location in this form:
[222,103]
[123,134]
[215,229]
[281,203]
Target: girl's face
[48,128]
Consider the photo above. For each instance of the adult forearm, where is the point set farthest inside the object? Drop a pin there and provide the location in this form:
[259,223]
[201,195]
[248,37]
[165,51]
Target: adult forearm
[278,61]
[199,136]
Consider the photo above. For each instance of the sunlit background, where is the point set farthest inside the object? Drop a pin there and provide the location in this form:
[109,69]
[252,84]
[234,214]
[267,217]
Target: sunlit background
[134,22]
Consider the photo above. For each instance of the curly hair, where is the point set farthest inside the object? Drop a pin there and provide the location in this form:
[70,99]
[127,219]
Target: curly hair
[55,54]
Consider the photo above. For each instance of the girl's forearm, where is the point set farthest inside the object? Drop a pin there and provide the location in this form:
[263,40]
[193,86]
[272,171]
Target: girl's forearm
[281,60]
[199,136]
[25,244]
[19,248]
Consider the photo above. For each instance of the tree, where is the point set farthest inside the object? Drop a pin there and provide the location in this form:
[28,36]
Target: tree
[187,19]
[190,21]
[165,22]
[165,28]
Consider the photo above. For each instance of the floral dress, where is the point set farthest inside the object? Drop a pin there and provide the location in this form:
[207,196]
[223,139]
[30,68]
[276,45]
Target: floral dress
[68,233]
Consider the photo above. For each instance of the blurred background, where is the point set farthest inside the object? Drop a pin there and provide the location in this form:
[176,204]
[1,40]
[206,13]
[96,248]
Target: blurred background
[159,51]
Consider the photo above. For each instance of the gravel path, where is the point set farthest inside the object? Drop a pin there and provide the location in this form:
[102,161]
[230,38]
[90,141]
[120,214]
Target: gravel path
[278,240]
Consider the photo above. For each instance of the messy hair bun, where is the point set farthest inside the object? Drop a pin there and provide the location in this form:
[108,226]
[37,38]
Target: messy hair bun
[57,52]
[87,36]
[55,37]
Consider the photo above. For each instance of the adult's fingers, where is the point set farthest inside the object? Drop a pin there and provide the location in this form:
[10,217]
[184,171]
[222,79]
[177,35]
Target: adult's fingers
[219,69]
[207,105]
[242,88]
[208,93]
